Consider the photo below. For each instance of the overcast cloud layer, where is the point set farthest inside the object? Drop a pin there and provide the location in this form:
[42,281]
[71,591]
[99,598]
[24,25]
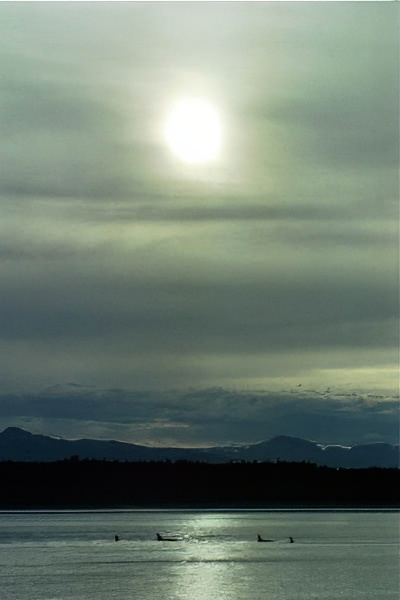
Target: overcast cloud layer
[254,296]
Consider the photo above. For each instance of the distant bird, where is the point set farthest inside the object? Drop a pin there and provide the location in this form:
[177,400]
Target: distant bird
[116,538]
[291,540]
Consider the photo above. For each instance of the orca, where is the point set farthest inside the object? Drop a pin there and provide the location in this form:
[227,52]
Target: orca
[260,539]
[168,538]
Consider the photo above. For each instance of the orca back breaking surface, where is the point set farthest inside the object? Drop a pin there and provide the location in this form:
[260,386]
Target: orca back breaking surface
[168,538]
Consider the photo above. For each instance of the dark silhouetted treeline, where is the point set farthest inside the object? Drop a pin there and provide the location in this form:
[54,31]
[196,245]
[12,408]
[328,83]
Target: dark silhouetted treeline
[78,483]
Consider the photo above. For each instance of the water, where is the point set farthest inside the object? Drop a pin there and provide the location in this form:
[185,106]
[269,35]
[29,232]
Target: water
[73,556]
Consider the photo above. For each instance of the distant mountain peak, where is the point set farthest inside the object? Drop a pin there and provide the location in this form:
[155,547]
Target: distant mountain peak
[16,431]
[17,444]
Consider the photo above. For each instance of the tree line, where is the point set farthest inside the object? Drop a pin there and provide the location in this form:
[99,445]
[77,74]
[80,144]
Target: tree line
[75,483]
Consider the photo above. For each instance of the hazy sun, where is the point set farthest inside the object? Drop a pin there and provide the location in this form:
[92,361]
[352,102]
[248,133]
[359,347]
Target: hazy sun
[193,131]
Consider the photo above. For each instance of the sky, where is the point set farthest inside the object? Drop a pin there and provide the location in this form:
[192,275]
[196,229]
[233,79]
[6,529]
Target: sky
[161,301]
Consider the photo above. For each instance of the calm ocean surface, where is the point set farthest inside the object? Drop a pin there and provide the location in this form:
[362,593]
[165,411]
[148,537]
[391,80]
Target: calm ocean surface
[73,556]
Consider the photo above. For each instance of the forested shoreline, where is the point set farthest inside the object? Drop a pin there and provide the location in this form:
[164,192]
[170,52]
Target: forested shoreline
[78,483]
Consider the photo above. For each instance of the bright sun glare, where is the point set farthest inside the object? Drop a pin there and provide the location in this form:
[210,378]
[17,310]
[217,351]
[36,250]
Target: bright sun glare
[193,131]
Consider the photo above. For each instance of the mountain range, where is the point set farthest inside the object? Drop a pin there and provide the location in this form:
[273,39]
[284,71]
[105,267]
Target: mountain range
[20,445]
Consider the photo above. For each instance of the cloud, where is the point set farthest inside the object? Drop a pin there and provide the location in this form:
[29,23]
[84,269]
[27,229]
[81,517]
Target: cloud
[203,416]
[122,267]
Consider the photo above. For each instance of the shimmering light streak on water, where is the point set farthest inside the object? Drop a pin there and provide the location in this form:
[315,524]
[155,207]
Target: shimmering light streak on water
[73,556]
